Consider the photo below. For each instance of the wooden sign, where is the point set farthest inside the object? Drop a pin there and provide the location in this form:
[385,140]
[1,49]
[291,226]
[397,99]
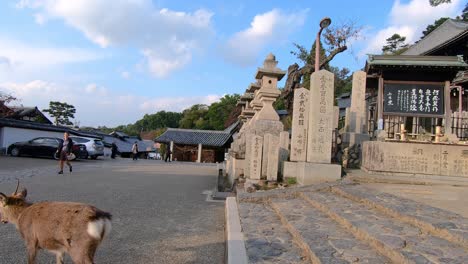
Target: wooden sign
[417,99]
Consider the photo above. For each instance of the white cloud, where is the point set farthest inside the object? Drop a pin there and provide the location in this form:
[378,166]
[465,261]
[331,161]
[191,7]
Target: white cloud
[166,38]
[23,57]
[265,29]
[95,105]
[176,103]
[409,19]
[125,74]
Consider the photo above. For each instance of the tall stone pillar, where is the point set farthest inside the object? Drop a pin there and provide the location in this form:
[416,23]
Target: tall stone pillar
[300,124]
[321,117]
[357,114]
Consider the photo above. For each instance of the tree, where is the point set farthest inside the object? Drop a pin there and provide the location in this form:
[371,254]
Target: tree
[395,45]
[438,2]
[62,112]
[335,40]
[433,26]
[4,100]
[218,112]
[464,15]
[194,117]
[161,119]
[343,80]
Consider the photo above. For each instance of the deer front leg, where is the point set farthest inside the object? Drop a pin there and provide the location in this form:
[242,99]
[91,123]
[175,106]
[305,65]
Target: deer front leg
[32,251]
[59,257]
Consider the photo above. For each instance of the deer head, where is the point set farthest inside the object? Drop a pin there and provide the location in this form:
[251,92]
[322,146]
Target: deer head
[11,206]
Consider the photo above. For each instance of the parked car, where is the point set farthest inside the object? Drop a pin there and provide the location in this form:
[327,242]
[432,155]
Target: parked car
[43,147]
[95,147]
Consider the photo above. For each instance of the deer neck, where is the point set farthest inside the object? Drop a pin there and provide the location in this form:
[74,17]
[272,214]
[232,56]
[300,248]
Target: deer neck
[15,212]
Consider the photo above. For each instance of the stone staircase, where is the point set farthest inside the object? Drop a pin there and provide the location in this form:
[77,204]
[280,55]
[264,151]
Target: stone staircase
[348,223]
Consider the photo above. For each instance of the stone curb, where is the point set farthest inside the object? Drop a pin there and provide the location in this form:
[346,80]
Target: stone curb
[235,246]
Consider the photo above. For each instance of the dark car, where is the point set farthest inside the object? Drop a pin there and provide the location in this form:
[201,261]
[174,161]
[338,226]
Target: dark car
[43,147]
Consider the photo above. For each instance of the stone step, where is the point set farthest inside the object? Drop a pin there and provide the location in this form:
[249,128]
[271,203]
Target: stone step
[399,241]
[324,239]
[266,239]
[438,222]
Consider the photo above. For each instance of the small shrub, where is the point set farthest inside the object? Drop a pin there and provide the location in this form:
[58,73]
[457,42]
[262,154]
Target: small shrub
[291,181]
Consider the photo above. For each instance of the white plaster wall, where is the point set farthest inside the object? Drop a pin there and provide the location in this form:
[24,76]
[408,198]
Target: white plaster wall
[10,135]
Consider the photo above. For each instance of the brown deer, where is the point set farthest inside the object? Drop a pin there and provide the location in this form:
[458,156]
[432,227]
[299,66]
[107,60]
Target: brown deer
[59,227]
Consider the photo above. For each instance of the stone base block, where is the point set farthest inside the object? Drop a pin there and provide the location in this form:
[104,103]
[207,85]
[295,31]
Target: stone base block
[351,138]
[235,169]
[312,173]
[308,173]
[289,169]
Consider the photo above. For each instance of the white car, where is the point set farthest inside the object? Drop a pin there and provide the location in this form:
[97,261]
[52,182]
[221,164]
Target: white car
[95,147]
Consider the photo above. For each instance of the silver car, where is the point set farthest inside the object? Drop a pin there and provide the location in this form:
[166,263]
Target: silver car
[95,147]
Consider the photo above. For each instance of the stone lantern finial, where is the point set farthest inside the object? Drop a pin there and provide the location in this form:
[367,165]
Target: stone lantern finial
[270,62]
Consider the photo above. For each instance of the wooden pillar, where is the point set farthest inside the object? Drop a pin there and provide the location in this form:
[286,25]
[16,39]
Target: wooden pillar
[448,111]
[199,152]
[380,97]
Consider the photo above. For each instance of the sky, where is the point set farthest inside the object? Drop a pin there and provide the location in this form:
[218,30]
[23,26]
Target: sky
[117,60]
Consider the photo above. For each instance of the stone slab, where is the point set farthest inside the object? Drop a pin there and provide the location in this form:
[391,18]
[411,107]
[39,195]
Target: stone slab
[415,158]
[329,242]
[273,157]
[235,246]
[290,169]
[283,151]
[404,240]
[320,132]
[300,125]
[256,157]
[313,173]
[266,239]
[267,140]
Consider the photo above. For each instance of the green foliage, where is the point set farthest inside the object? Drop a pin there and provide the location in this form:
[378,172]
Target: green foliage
[212,117]
[62,112]
[291,181]
[218,112]
[308,58]
[343,80]
[464,15]
[194,117]
[431,27]
[161,119]
[395,45]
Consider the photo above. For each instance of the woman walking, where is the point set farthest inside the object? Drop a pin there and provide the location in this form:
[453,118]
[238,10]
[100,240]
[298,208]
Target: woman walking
[135,151]
[64,149]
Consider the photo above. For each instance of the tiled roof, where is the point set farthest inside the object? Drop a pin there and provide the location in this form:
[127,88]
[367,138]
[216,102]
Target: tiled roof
[444,34]
[21,111]
[448,63]
[211,138]
[6,122]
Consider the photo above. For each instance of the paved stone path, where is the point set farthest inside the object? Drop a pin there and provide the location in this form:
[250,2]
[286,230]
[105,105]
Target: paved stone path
[348,223]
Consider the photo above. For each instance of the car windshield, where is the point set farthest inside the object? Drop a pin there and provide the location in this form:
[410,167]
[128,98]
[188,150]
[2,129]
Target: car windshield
[80,140]
[98,142]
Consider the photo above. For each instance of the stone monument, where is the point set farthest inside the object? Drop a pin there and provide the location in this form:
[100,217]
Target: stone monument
[356,116]
[317,166]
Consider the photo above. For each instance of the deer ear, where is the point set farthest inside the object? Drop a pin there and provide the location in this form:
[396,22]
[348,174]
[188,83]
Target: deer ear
[23,193]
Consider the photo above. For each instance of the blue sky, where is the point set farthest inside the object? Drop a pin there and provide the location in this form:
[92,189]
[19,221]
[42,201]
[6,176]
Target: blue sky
[116,60]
